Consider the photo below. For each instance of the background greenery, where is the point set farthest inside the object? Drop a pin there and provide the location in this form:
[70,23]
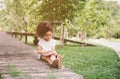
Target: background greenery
[97,18]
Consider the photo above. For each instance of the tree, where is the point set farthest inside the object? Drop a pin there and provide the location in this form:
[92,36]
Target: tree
[58,9]
[18,15]
[114,23]
[93,16]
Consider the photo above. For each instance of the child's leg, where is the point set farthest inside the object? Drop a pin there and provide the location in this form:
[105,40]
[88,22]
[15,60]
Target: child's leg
[60,61]
[49,59]
[53,57]
[44,58]
[53,60]
[57,61]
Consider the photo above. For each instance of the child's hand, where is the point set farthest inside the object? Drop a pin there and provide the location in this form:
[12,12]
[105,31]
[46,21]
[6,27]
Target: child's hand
[54,53]
[51,52]
[48,52]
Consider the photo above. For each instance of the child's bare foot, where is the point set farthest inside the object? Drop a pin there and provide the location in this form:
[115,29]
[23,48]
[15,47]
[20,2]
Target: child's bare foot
[55,63]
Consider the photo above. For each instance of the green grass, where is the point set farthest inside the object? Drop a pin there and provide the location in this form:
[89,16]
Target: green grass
[51,76]
[91,62]
[14,72]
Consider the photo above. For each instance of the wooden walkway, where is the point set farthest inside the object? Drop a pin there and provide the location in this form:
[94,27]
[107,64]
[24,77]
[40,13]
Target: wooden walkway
[19,61]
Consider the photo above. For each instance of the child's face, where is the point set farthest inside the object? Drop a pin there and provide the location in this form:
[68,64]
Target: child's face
[48,36]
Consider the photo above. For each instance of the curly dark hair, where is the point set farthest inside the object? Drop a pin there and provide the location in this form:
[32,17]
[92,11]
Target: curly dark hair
[42,28]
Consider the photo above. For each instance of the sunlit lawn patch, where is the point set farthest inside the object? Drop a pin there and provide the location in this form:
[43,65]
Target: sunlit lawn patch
[91,62]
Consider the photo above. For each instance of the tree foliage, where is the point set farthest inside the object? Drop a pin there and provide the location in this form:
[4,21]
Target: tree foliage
[90,16]
[18,15]
[58,9]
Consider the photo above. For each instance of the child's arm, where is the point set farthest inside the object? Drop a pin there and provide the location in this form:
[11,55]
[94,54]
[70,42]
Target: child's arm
[53,50]
[40,51]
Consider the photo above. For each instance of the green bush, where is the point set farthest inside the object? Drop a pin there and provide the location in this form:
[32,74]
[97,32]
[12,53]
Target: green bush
[100,35]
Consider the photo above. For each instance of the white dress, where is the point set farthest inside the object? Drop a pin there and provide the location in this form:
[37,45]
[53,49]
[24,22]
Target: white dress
[46,46]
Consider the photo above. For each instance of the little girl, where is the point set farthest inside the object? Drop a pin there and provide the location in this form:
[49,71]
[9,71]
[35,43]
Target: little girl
[46,45]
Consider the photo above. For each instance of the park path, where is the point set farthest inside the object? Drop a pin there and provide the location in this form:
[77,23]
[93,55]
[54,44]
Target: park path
[16,57]
[114,45]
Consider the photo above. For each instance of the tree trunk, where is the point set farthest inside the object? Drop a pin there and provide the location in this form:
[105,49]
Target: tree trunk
[62,36]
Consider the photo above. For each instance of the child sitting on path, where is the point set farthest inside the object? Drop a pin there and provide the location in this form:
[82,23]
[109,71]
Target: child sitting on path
[46,45]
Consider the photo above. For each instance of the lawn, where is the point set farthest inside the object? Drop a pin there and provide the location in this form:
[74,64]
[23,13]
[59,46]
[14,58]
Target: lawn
[91,62]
